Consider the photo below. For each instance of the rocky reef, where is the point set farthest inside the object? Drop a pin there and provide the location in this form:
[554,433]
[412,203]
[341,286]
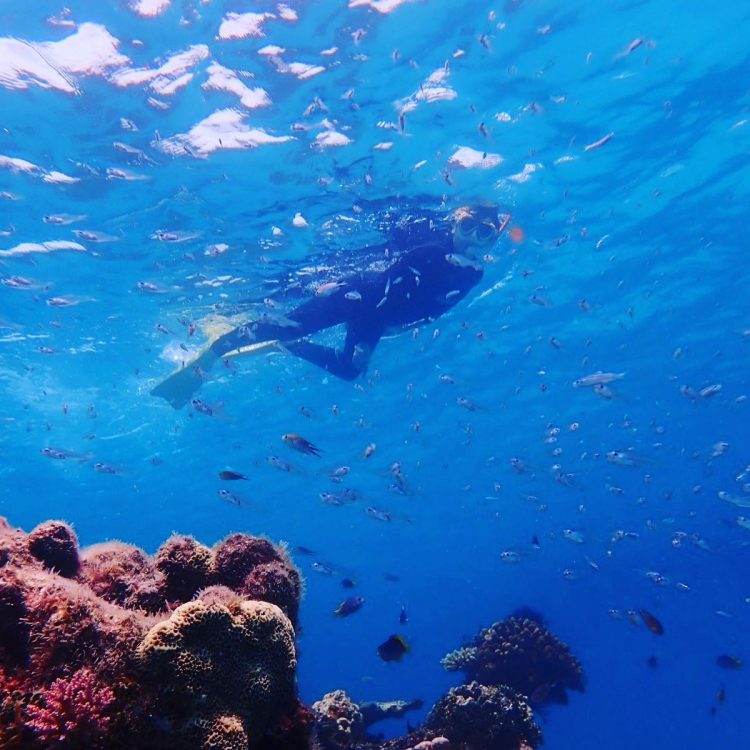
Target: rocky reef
[112,648]
[193,648]
[521,653]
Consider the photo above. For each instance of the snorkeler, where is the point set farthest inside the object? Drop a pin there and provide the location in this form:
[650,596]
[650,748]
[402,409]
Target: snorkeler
[423,282]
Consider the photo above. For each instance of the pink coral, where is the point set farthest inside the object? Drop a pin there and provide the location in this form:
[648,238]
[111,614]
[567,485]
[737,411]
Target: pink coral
[72,712]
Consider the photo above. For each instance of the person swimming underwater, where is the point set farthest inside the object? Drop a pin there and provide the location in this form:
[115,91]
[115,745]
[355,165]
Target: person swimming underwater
[424,280]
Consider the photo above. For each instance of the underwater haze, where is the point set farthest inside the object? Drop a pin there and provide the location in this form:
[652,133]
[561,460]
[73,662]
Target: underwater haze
[572,436]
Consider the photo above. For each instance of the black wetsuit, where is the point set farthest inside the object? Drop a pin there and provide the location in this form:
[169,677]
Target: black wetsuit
[419,285]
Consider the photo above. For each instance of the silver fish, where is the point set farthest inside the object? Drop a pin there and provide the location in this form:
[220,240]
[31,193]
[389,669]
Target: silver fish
[597,378]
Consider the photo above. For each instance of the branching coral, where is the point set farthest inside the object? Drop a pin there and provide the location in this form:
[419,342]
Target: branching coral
[521,653]
[72,713]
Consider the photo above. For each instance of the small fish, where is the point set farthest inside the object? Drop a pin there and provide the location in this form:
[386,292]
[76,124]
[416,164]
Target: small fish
[300,444]
[304,550]
[402,616]
[202,407]
[378,515]
[710,390]
[322,568]
[738,500]
[281,464]
[622,458]
[327,289]
[727,661]
[231,476]
[572,536]
[651,622]
[85,234]
[467,403]
[367,452]
[353,296]
[349,606]
[393,649]
[107,468]
[511,558]
[598,144]
[230,497]
[597,378]
[652,662]
[603,392]
[339,473]
[61,302]
[61,454]
[330,498]
[62,219]
[348,583]
[743,522]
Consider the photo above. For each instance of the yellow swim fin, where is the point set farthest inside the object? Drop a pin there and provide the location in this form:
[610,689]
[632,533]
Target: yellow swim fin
[179,387]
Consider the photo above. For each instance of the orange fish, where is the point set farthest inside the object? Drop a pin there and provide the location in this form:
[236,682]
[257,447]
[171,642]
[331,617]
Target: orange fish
[300,444]
[651,622]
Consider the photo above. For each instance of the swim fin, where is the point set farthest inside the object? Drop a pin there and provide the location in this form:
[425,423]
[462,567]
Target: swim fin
[179,387]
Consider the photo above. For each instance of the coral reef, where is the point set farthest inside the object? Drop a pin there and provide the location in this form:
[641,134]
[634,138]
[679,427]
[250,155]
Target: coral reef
[520,652]
[373,711]
[485,717]
[276,582]
[338,720]
[225,670]
[124,575]
[72,712]
[236,556]
[55,544]
[111,648]
[186,566]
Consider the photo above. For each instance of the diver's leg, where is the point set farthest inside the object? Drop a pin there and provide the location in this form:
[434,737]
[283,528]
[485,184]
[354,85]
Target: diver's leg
[312,316]
[346,364]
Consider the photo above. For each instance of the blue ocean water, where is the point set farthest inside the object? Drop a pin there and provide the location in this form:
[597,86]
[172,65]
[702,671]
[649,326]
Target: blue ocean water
[153,158]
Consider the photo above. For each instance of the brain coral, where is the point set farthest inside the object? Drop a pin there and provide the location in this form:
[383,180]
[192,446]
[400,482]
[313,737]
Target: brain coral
[485,717]
[522,653]
[227,665]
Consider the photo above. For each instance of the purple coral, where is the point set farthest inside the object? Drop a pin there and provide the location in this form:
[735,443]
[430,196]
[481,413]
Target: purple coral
[238,554]
[72,712]
[55,544]
[185,565]
[276,582]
